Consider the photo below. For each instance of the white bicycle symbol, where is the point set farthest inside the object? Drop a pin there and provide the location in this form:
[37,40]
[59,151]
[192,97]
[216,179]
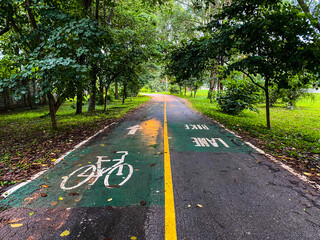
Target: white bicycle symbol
[89,172]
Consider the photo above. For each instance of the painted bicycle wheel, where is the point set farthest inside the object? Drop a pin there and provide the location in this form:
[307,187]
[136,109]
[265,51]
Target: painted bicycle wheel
[78,177]
[113,179]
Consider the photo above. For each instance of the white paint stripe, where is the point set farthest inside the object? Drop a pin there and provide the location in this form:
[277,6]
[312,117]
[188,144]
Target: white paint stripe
[15,188]
[273,159]
[291,170]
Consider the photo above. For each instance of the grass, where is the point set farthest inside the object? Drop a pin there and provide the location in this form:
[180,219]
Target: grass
[294,137]
[28,143]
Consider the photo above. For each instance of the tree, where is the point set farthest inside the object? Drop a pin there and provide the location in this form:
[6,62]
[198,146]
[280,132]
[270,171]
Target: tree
[267,38]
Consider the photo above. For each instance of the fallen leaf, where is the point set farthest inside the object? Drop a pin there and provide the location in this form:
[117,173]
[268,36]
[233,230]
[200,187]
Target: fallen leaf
[153,164]
[14,220]
[53,160]
[89,162]
[102,145]
[236,180]
[65,233]
[133,238]
[60,198]
[79,165]
[54,203]
[189,205]
[156,156]
[110,208]
[114,186]
[110,199]
[30,214]
[73,194]
[143,203]
[199,205]
[44,195]
[307,174]
[48,219]
[45,186]
[16,225]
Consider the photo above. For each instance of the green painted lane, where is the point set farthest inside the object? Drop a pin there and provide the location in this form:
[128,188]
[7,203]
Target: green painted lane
[205,137]
[116,169]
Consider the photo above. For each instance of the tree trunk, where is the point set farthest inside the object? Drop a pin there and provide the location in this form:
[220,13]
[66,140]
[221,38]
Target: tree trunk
[185,91]
[79,102]
[211,90]
[266,85]
[131,95]
[116,91]
[106,99]
[6,99]
[195,92]
[124,95]
[92,100]
[52,111]
[180,90]
[101,93]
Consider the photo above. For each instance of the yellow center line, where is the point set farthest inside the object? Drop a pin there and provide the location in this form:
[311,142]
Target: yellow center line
[170,216]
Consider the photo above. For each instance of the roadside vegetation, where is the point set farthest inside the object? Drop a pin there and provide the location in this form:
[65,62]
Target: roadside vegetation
[28,143]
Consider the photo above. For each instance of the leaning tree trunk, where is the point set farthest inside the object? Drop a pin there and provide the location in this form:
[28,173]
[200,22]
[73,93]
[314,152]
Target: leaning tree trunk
[266,89]
[52,111]
[79,102]
[106,98]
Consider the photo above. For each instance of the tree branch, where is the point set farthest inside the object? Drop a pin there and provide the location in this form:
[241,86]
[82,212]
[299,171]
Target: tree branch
[5,29]
[307,11]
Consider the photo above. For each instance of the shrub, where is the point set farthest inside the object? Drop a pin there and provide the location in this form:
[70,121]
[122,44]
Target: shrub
[238,97]
[174,89]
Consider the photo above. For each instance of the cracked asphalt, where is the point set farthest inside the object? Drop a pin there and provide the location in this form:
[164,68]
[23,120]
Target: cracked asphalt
[222,188]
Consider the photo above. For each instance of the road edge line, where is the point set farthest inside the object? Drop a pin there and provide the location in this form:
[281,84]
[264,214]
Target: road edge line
[170,217]
[15,188]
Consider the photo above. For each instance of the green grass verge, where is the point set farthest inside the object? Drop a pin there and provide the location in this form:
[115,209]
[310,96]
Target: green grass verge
[27,141]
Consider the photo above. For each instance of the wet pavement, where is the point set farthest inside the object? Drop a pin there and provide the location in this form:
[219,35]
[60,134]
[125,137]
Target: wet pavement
[119,186]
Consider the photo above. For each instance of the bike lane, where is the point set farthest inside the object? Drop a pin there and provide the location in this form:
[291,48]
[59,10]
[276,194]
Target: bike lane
[224,189]
[56,203]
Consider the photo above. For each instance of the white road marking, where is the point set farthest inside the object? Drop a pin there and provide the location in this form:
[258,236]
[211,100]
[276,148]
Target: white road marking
[204,142]
[133,129]
[195,127]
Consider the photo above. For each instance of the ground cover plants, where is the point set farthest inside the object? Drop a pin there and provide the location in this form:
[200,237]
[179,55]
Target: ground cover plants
[294,137]
[28,143]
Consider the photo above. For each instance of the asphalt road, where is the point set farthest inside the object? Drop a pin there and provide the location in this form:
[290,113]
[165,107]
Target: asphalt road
[165,172]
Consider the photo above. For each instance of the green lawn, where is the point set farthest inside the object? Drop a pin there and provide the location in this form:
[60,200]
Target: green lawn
[27,141]
[294,137]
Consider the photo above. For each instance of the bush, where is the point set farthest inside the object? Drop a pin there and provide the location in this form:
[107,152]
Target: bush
[174,89]
[238,97]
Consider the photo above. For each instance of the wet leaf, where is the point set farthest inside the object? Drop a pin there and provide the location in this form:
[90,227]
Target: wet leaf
[189,205]
[53,160]
[54,203]
[110,199]
[60,198]
[308,174]
[156,156]
[110,208]
[199,205]
[114,186]
[73,194]
[30,214]
[48,219]
[143,203]
[45,186]
[102,145]
[44,195]
[133,238]
[236,180]
[65,233]
[16,225]
[153,164]
[79,165]
[14,220]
